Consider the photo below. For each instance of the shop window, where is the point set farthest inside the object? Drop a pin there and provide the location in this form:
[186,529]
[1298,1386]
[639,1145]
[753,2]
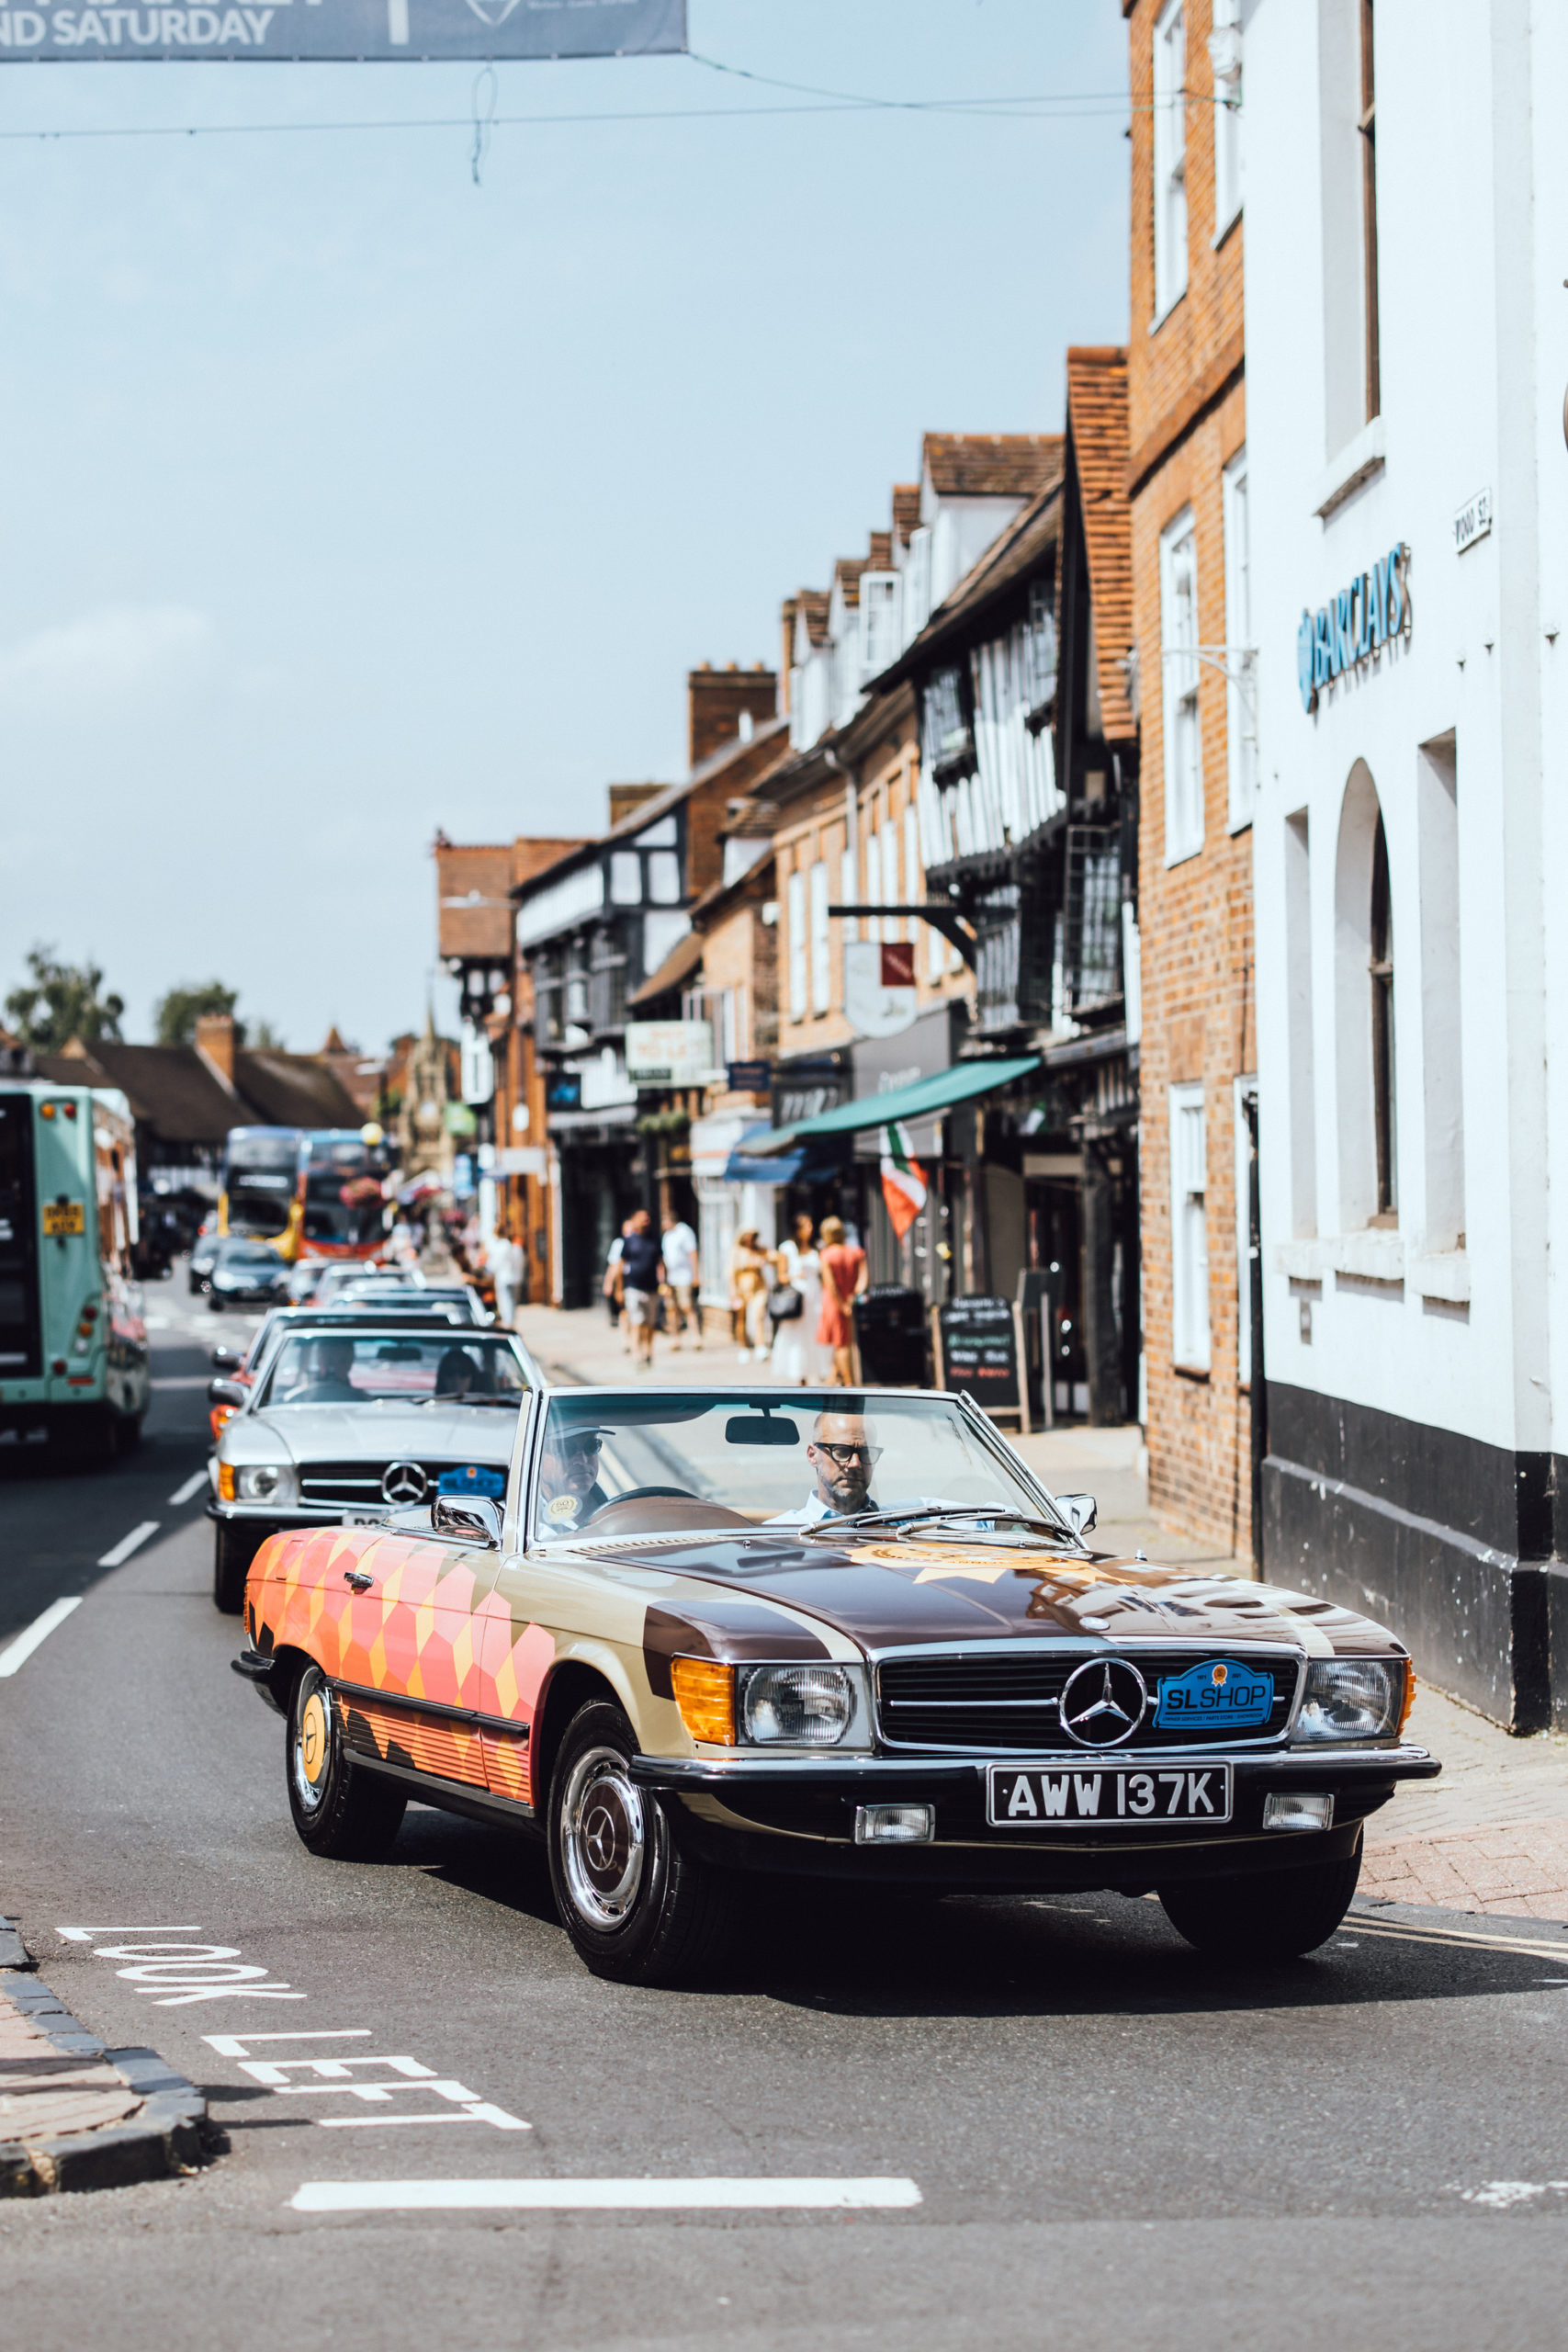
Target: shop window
[913,887]
[1170,156]
[1189,1230]
[795,911]
[1178,652]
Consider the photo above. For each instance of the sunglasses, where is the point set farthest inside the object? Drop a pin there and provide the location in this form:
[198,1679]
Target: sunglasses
[844,1455]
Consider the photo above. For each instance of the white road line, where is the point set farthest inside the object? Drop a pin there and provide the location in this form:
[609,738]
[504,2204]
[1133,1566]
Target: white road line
[22,1648]
[657,2196]
[185,1380]
[127,1545]
[190,1491]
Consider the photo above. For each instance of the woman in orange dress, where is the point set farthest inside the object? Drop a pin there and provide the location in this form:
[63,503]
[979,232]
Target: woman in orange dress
[845,1276]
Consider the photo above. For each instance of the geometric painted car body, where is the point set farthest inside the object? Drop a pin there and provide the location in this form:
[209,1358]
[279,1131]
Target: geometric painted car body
[939,1684]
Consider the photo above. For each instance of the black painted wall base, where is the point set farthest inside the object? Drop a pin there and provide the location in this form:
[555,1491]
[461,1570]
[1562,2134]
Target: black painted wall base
[1445,1541]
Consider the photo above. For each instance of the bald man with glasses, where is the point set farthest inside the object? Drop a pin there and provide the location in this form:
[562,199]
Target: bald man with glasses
[842,1459]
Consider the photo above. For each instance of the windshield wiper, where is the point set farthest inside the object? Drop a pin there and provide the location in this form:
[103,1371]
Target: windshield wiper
[936,1511]
[511,1403]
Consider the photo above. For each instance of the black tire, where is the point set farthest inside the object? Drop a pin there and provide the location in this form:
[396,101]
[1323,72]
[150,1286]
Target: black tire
[214,1303]
[639,1908]
[1271,1914]
[233,1549]
[340,1812]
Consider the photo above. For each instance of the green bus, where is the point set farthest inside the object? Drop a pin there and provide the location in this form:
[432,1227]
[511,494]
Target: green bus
[73,1355]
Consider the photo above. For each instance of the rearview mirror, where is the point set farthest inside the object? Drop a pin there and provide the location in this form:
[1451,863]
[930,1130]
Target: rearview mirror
[1079,1510]
[474,1519]
[226,1392]
[224,1359]
[759,1429]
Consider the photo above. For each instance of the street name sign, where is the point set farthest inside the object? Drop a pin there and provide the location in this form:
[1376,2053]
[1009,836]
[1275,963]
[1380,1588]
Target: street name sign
[347,31]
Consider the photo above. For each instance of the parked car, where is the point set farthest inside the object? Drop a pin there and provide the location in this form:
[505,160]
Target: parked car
[203,1257]
[712,1633]
[245,1273]
[355,1416]
[388,1290]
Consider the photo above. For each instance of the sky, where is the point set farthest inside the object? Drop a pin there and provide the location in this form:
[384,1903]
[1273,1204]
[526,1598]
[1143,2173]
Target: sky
[342,498]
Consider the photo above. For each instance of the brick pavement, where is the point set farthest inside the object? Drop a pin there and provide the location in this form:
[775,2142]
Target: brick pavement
[1491,1835]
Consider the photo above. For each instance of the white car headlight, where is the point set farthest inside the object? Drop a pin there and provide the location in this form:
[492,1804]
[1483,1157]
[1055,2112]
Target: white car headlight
[265,1482]
[801,1706]
[1352,1698]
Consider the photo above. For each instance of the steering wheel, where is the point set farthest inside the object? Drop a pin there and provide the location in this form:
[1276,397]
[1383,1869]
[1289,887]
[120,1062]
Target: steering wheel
[641,1494]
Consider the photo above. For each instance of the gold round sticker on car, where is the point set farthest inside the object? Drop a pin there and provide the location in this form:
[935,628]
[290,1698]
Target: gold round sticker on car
[313,1739]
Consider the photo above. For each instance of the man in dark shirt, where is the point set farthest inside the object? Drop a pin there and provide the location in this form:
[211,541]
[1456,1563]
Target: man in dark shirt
[639,1276]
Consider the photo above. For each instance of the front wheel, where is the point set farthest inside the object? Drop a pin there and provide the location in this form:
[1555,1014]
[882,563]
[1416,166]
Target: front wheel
[344,1814]
[1268,1914]
[638,1907]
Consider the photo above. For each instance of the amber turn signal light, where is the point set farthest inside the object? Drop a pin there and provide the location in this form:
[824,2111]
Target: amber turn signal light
[705,1692]
[226,1482]
[1409,1694]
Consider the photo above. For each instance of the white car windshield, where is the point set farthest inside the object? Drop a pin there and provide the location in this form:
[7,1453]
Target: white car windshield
[627,1466]
[367,1368]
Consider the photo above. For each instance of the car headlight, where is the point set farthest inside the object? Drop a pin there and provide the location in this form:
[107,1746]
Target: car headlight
[265,1482]
[799,1706]
[1352,1698]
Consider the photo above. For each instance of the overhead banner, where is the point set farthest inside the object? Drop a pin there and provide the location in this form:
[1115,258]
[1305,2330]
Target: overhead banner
[348,31]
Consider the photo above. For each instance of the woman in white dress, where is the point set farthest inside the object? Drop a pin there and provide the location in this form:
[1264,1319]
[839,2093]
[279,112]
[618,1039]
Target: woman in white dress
[797,1359]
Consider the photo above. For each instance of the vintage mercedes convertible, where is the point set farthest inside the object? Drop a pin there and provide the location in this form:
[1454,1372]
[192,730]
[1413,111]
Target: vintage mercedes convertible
[708,1634]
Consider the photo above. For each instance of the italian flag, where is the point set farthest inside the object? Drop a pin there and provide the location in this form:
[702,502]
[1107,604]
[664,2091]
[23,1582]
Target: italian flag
[902,1182]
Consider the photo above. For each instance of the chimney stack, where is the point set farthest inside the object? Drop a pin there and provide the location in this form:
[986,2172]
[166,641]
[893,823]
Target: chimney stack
[714,702]
[215,1044]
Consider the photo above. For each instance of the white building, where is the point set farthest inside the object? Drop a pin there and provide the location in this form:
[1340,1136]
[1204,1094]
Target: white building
[1406,185]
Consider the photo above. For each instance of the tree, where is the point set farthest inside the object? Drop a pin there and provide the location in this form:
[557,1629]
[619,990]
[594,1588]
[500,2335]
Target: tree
[175,1015]
[63,1001]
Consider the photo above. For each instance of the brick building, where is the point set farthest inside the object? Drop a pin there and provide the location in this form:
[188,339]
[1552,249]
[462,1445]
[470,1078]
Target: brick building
[1187,481]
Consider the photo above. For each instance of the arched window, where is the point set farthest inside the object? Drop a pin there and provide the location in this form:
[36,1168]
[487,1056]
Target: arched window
[1366,1072]
[1380,969]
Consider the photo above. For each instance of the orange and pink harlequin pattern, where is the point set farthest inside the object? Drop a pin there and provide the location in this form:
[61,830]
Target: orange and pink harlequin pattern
[426,1627]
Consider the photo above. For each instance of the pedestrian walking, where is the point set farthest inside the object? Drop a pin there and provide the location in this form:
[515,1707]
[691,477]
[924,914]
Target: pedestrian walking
[844,1277]
[611,1286]
[794,1309]
[680,1250]
[506,1272]
[640,1263]
[750,1268]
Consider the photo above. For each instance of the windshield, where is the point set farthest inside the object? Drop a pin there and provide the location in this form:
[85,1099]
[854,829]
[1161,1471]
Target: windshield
[250,1253]
[614,1465]
[368,1368]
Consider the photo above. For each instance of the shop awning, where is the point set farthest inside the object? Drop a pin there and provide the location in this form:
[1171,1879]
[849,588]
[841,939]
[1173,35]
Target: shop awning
[925,1098]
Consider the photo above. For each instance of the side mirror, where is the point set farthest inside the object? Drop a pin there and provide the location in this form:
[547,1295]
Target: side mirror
[472,1519]
[225,1360]
[227,1391]
[1079,1510]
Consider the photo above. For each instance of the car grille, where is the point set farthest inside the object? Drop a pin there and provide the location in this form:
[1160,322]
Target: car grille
[357,1483]
[1013,1701]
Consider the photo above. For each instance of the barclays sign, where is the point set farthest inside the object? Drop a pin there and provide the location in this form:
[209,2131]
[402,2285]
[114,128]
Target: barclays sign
[1354,626]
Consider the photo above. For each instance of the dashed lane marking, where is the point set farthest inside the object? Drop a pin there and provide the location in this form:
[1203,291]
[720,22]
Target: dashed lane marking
[190,1491]
[644,2196]
[121,1552]
[19,1652]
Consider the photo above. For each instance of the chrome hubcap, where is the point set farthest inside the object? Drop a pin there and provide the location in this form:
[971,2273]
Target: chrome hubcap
[603,1839]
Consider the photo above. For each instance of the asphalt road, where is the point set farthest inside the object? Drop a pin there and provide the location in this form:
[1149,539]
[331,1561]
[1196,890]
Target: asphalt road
[1110,2140]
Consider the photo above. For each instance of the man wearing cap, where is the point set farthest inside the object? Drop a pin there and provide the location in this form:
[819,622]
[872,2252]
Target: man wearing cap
[570,1492]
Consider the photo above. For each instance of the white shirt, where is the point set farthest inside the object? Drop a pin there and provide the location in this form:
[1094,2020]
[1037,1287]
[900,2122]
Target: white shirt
[680,1253]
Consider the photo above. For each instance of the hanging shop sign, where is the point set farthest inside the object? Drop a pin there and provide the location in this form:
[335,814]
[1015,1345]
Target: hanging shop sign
[669,1053]
[349,31]
[1354,625]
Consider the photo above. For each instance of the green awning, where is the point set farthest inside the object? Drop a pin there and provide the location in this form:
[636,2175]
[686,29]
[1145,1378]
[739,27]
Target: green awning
[923,1099]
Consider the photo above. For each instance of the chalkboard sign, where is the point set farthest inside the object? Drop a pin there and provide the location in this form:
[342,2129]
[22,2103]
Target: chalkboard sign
[978,1353]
